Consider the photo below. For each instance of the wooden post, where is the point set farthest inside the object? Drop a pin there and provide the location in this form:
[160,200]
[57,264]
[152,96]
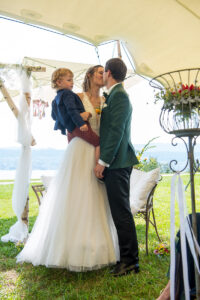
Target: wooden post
[8,99]
[25,212]
[27,68]
[28,98]
[12,105]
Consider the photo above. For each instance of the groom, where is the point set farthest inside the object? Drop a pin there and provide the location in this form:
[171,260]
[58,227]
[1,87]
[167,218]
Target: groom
[116,161]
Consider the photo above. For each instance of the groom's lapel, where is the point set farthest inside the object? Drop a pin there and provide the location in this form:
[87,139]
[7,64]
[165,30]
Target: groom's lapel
[107,96]
[118,86]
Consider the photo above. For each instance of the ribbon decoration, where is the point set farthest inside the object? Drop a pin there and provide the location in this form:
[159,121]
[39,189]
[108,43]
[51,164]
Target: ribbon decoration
[185,232]
[39,108]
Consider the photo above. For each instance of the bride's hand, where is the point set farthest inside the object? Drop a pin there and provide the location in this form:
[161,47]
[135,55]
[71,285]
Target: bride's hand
[85,115]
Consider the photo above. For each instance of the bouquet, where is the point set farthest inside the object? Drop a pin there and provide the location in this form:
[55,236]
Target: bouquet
[161,249]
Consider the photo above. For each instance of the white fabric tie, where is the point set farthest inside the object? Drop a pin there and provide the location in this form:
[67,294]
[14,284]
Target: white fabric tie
[19,231]
[185,232]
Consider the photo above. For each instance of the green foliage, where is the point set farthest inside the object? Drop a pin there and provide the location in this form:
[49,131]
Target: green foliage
[146,164]
[165,169]
[149,164]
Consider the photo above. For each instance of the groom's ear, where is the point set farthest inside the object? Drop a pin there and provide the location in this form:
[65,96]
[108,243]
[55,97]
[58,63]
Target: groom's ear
[109,73]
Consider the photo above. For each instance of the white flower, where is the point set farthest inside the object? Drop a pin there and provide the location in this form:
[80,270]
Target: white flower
[104,105]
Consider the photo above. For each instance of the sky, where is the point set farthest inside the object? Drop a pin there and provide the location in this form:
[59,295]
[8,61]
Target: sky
[20,40]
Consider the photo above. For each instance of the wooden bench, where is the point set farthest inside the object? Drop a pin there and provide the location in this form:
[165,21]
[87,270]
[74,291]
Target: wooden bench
[39,190]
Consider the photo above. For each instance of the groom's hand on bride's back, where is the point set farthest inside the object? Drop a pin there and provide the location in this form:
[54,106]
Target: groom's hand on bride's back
[98,170]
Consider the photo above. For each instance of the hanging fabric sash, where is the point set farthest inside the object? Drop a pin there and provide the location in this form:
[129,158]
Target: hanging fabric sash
[19,231]
[185,232]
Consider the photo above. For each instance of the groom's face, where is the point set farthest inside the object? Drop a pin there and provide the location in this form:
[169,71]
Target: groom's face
[105,77]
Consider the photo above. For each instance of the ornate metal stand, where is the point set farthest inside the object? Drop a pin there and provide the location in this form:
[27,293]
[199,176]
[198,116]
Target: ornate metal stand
[192,136]
[180,116]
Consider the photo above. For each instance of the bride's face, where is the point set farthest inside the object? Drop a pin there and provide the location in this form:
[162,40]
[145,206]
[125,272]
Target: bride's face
[97,77]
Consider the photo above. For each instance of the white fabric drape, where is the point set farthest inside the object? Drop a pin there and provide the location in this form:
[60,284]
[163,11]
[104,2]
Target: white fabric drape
[185,232]
[19,231]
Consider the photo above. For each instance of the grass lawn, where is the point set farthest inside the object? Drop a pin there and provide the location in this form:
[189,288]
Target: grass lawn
[28,282]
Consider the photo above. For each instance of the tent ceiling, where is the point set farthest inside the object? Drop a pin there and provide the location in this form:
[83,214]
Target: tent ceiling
[161,35]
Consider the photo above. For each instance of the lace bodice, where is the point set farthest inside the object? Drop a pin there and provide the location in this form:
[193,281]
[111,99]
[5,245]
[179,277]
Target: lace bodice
[95,119]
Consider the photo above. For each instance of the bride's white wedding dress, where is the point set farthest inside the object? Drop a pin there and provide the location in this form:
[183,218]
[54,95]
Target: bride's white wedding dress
[74,228]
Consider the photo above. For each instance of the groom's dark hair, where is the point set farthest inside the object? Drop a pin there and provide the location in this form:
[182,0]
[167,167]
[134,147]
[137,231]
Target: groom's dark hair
[117,68]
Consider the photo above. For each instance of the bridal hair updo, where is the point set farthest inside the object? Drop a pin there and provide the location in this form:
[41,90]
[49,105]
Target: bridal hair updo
[58,74]
[90,72]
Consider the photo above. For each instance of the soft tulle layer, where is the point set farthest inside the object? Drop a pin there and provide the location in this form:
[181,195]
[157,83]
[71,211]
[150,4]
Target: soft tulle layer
[74,228]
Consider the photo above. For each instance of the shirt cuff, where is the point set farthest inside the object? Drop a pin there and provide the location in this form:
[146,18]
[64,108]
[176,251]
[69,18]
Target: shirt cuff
[101,162]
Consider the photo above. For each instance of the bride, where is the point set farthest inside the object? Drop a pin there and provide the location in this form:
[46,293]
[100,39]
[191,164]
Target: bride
[74,228]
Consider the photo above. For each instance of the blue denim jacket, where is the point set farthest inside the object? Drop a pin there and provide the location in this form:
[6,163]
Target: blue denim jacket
[66,109]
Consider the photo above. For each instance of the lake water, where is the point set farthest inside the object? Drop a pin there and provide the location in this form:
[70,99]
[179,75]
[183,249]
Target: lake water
[49,159]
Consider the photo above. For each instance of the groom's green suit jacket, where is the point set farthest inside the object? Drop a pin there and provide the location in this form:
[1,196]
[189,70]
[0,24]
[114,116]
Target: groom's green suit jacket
[115,128]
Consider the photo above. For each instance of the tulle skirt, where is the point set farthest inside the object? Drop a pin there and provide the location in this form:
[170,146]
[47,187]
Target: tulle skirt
[74,228]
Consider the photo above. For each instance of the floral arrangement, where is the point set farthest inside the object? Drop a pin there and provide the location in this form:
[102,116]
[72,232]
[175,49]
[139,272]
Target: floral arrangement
[102,105]
[98,110]
[180,97]
[161,249]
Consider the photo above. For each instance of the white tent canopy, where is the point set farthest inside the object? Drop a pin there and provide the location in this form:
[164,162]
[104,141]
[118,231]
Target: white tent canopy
[43,79]
[161,35]
[40,79]
[78,69]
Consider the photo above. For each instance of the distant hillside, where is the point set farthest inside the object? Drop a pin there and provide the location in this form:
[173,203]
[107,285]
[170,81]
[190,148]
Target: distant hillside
[167,147]
[49,159]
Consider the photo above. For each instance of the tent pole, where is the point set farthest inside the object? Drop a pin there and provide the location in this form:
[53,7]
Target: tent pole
[119,49]
[119,53]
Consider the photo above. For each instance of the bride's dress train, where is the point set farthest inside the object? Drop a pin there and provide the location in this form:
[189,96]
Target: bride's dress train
[74,228]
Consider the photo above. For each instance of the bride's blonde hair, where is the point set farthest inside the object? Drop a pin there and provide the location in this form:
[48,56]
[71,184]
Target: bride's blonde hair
[90,72]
